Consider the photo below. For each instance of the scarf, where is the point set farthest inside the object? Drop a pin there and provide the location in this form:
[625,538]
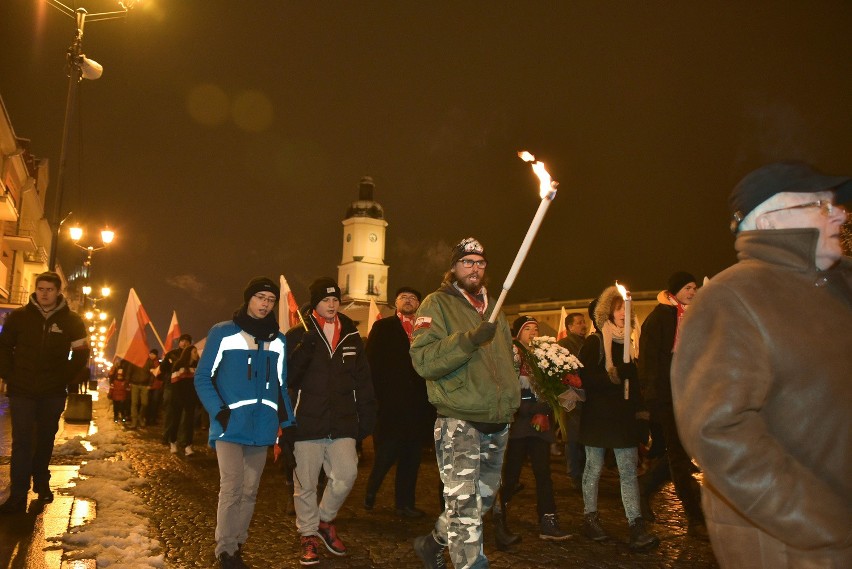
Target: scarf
[407,324]
[681,311]
[478,301]
[331,329]
[261,329]
[612,333]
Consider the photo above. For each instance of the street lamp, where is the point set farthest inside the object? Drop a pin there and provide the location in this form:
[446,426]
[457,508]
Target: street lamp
[79,67]
[87,294]
[107,237]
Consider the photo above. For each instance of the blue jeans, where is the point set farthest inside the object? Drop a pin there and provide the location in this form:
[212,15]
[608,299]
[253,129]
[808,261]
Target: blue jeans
[34,426]
[627,459]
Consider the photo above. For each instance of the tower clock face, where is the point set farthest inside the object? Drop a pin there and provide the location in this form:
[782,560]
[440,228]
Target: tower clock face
[348,237]
[373,237]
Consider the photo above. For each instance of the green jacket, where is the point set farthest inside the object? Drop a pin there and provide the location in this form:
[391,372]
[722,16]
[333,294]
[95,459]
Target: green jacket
[464,381]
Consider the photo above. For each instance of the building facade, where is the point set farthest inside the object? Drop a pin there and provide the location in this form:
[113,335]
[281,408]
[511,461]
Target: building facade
[26,234]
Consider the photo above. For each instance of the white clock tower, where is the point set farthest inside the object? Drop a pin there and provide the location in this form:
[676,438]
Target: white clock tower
[362,273]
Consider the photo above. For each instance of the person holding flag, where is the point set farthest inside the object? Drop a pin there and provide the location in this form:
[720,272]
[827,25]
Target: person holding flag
[241,380]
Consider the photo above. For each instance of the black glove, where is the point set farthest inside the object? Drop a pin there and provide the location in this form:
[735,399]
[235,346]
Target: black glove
[482,333]
[223,416]
[309,341]
[287,442]
[626,371]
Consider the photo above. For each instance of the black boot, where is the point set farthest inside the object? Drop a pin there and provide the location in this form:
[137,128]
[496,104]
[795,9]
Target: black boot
[502,534]
[430,552]
[640,538]
[592,527]
[549,528]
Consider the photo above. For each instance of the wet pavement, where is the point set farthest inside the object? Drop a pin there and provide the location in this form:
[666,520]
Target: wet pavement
[181,493]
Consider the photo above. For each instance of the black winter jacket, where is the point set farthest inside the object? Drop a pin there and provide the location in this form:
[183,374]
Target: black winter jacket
[34,350]
[331,390]
[656,343]
[404,408]
[608,420]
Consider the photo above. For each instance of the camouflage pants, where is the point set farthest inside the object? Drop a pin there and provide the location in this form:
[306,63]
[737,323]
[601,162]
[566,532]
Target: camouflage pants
[470,463]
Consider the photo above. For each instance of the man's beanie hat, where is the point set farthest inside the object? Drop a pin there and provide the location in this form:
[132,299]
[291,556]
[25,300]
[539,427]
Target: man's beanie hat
[186,337]
[796,177]
[409,290]
[323,287]
[260,284]
[50,277]
[679,280]
[467,246]
[520,323]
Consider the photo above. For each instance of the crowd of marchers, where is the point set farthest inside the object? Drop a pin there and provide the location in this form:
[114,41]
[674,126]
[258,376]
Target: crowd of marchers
[715,378]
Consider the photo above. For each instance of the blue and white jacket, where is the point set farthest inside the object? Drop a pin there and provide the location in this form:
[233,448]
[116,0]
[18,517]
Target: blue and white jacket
[250,379]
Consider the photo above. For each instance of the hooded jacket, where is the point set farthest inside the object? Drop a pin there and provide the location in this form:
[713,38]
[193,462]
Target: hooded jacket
[35,346]
[608,419]
[247,377]
[332,387]
[763,404]
[464,381]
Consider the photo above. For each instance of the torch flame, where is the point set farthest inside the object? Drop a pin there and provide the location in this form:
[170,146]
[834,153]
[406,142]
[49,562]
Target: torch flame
[621,290]
[546,186]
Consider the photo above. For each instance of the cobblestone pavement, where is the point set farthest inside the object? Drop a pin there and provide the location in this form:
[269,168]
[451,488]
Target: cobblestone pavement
[182,493]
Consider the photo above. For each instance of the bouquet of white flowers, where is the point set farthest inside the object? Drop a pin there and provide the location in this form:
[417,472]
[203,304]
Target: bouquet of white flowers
[555,373]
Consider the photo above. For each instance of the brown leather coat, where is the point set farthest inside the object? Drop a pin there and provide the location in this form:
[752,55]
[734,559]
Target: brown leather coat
[762,386]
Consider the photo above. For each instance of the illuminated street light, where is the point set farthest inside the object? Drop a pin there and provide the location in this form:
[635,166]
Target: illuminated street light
[78,67]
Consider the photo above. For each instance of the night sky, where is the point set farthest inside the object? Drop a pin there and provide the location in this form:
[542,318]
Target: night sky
[226,139]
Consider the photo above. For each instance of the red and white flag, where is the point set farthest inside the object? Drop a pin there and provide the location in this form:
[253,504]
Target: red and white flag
[372,315]
[562,332]
[109,333]
[288,310]
[132,340]
[173,334]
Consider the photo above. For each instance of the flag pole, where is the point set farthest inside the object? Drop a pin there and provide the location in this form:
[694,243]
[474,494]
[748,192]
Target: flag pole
[154,330]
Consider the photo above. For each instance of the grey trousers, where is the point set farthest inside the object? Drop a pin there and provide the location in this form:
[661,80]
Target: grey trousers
[340,461]
[240,467]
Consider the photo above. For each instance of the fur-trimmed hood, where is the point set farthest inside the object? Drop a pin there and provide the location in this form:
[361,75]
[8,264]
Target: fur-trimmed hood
[604,307]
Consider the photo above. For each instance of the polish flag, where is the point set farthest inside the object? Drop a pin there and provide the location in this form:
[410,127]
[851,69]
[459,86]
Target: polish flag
[562,332]
[132,340]
[372,315]
[173,334]
[109,333]
[288,310]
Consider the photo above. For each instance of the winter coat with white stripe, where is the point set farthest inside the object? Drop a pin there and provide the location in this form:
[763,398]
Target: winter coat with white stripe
[332,387]
[250,379]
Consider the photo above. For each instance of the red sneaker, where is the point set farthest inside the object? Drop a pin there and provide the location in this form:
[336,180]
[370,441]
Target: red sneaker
[310,547]
[328,535]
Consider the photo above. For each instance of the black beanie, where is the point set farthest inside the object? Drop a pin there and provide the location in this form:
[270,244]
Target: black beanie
[519,324]
[260,284]
[323,287]
[467,246]
[679,280]
[409,290]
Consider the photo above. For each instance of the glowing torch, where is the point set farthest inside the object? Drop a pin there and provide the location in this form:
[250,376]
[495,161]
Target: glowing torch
[628,330]
[547,191]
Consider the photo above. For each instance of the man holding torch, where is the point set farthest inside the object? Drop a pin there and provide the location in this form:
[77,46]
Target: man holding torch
[467,363]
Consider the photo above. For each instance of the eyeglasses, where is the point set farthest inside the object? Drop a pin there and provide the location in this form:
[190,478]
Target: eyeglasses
[266,299]
[826,208]
[468,263]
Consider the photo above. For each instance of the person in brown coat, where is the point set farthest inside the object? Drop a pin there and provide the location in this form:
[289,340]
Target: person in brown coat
[763,404]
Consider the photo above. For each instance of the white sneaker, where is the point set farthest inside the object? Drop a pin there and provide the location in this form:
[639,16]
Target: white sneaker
[173,448]
[188,451]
